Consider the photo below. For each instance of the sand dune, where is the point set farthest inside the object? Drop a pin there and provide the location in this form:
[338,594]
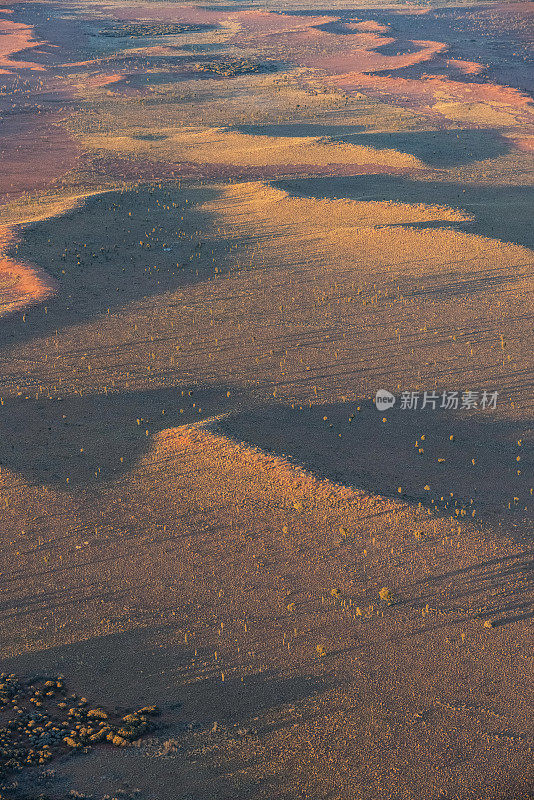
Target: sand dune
[217,246]
[218,146]
[86,603]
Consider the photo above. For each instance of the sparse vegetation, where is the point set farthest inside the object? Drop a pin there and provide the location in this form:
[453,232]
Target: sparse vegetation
[198,495]
[133,29]
[230,68]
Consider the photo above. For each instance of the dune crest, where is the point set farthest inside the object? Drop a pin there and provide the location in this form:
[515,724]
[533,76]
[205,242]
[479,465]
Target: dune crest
[223,146]
[270,203]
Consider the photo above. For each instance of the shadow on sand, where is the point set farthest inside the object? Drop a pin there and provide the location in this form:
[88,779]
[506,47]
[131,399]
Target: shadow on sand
[98,437]
[128,670]
[435,148]
[145,662]
[500,212]
[412,450]
[474,466]
[118,248]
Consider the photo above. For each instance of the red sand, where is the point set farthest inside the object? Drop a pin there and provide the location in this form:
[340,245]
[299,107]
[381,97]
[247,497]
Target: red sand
[352,62]
[34,149]
[27,285]
[15,37]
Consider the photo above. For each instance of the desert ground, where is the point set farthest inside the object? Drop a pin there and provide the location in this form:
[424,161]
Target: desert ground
[226,574]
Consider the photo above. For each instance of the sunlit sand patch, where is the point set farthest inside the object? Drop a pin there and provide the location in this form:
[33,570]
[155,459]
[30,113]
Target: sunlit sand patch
[491,114]
[523,143]
[366,25]
[367,238]
[98,80]
[297,275]
[366,59]
[34,209]
[220,146]
[288,298]
[275,207]
[466,67]
[35,152]
[484,104]
[23,284]
[354,61]
[249,20]
[293,97]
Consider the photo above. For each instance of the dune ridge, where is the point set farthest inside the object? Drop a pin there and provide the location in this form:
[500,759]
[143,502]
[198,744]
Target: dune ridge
[219,245]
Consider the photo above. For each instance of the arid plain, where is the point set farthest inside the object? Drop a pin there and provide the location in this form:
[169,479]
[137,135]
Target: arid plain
[223,228]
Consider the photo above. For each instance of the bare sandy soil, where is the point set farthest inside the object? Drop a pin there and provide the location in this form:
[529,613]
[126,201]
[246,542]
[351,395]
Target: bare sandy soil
[216,246]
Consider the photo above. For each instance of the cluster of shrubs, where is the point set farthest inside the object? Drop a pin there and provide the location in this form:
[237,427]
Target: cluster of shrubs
[152,29]
[230,68]
[40,720]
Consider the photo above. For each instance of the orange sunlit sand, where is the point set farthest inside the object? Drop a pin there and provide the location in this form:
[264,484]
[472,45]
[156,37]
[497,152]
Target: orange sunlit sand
[266,465]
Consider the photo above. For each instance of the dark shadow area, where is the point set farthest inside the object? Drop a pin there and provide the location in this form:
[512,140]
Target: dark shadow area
[72,38]
[153,659]
[82,441]
[340,27]
[425,69]
[128,670]
[117,248]
[143,80]
[411,450]
[437,148]
[501,212]
[65,37]
[500,40]
[238,701]
[149,30]
[96,438]
[184,69]
[400,47]
[202,48]
[150,137]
